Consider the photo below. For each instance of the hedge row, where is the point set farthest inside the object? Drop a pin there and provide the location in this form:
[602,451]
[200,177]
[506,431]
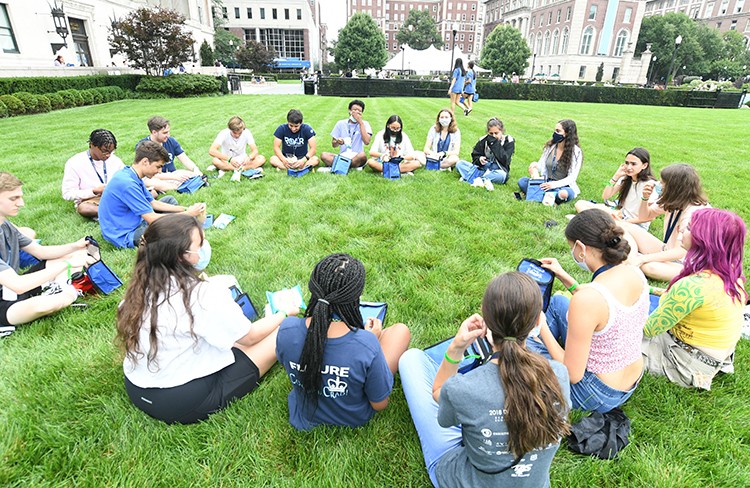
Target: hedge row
[182,85]
[41,85]
[353,87]
[21,103]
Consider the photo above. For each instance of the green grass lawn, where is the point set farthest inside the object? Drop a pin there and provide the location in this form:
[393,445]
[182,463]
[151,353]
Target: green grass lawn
[430,246]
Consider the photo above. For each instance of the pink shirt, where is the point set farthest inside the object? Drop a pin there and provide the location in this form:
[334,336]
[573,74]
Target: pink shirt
[80,177]
[618,344]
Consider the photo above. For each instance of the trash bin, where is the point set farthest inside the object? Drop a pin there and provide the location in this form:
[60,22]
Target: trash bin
[234,83]
[309,87]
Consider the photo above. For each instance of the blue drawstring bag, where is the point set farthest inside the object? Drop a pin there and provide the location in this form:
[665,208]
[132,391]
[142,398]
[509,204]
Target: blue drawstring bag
[478,353]
[391,169]
[373,309]
[432,164]
[252,173]
[341,165]
[104,279]
[192,185]
[475,98]
[475,173]
[25,259]
[298,173]
[534,192]
[543,277]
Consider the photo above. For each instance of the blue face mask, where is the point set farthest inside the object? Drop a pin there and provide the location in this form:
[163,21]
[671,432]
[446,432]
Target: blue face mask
[557,138]
[204,256]
[581,264]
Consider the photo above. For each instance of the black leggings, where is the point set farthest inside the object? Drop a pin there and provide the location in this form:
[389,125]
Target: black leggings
[197,399]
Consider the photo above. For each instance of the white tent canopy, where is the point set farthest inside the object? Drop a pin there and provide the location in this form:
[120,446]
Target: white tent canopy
[424,62]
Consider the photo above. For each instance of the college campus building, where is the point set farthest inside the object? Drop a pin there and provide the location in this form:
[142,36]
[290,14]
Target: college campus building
[464,19]
[33,31]
[724,15]
[570,39]
[291,27]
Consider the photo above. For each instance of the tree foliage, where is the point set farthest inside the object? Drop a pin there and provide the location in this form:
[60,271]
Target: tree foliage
[419,31]
[152,39]
[207,54]
[226,45]
[361,45]
[255,55]
[505,51]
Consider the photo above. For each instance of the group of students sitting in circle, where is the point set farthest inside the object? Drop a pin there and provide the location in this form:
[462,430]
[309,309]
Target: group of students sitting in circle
[190,350]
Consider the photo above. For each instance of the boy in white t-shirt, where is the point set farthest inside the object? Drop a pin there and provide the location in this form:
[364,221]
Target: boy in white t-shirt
[229,149]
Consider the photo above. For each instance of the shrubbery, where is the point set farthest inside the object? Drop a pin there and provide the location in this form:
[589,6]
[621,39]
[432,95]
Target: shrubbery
[180,85]
[29,101]
[43,85]
[43,104]
[14,105]
[3,110]
[87,96]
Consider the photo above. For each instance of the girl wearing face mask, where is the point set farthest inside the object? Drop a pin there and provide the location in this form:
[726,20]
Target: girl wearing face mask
[492,155]
[627,185]
[443,141]
[559,165]
[390,143]
[678,195]
[597,334]
[189,349]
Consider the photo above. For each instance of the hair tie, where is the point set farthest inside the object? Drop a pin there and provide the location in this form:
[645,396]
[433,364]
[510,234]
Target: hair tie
[142,241]
[320,300]
[509,339]
[613,242]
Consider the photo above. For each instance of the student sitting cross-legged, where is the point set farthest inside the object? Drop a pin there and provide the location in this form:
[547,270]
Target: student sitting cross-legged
[500,424]
[169,178]
[294,144]
[127,207]
[341,370]
[21,297]
[229,149]
[189,349]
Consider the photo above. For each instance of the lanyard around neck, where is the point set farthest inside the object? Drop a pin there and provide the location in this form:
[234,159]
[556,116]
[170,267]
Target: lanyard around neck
[601,270]
[104,165]
[674,218]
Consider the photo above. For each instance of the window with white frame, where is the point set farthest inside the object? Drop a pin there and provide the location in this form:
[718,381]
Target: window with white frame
[555,42]
[592,12]
[565,39]
[738,6]
[723,8]
[567,15]
[586,39]
[546,43]
[7,37]
[538,49]
[582,72]
[236,12]
[627,15]
[559,15]
[620,42]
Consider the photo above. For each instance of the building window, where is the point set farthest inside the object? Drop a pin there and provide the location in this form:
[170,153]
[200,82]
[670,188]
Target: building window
[628,14]
[723,9]
[249,13]
[588,35]
[236,12]
[567,15]
[546,43]
[471,37]
[533,22]
[7,38]
[734,25]
[249,35]
[286,14]
[462,37]
[224,12]
[555,42]
[549,18]
[592,13]
[274,14]
[738,6]
[463,17]
[262,13]
[559,15]
[299,14]
[286,43]
[395,46]
[622,39]
[582,72]
[538,49]
[473,6]
[718,25]
[709,9]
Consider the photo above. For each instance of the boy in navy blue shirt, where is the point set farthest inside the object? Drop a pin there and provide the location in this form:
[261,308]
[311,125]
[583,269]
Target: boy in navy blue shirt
[127,207]
[294,144]
[170,177]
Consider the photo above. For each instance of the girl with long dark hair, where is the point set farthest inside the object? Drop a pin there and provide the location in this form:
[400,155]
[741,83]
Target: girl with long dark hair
[189,349]
[597,333]
[502,419]
[392,142]
[680,194]
[457,85]
[693,333]
[559,165]
[443,141]
[341,369]
[626,185]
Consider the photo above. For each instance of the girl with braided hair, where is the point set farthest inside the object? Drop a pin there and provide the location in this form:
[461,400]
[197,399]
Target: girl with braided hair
[499,424]
[597,333]
[189,349]
[340,373]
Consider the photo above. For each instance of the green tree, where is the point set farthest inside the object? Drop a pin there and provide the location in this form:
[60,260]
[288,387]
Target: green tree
[733,59]
[505,51]
[361,45]
[226,45]
[152,39]
[661,32]
[419,31]
[255,55]
[207,54]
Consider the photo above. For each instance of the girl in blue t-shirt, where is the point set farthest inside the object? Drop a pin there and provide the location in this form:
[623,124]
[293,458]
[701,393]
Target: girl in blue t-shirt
[341,369]
[457,85]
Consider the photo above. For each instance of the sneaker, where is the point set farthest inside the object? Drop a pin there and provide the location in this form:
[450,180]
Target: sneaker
[409,173]
[448,169]
[488,185]
[461,179]
[220,173]
[570,216]
[211,167]
[256,176]
[236,176]
[51,288]
[469,111]
[7,330]
[466,111]
[478,183]
[259,170]
[324,169]
[359,168]
[549,199]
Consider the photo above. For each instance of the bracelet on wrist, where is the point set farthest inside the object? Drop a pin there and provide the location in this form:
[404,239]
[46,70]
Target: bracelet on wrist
[69,268]
[644,199]
[572,287]
[449,359]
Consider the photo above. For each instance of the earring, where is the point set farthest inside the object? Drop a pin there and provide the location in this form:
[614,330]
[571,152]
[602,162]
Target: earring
[582,256]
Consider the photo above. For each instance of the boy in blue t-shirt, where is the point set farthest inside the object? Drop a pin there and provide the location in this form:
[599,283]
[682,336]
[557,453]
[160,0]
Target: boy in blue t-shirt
[170,177]
[294,144]
[127,207]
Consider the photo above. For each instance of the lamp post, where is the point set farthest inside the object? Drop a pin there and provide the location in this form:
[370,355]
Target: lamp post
[652,69]
[533,64]
[677,42]
[403,55]
[61,23]
[454,30]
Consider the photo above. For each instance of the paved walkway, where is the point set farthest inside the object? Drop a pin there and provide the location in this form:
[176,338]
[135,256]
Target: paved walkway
[272,88]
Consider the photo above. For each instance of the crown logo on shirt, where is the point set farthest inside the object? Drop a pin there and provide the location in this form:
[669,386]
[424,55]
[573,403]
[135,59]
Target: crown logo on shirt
[335,385]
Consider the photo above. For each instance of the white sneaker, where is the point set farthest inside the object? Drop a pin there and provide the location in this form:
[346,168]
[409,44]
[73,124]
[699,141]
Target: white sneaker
[478,182]
[236,176]
[409,173]
[324,169]
[259,170]
[549,199]
[220,173]
[359,168]
[488,185]
[211,167]
[449,169]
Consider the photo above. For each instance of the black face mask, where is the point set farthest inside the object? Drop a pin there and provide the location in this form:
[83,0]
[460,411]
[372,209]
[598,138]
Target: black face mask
[557,138]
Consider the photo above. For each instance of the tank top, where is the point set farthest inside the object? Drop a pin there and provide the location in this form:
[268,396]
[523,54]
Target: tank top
[618,344]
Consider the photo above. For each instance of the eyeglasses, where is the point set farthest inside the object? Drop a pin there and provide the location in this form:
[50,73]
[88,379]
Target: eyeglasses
[397,129]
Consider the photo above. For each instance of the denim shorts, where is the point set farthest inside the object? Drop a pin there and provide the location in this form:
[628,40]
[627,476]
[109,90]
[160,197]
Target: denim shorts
[593,395]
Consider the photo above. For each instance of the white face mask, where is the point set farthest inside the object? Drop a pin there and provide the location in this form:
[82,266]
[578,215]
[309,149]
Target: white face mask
[352,119]
[204,256]
[581,264]
[445,121]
